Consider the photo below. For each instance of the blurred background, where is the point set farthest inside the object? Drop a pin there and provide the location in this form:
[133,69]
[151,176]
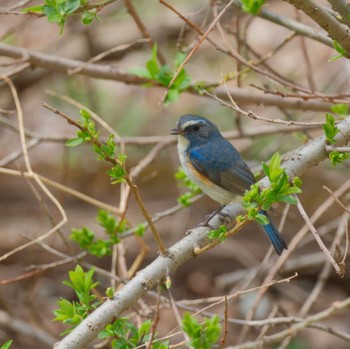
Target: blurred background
[30,289]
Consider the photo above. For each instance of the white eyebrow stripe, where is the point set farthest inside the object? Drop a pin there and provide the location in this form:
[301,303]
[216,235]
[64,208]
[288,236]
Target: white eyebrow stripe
[189,123]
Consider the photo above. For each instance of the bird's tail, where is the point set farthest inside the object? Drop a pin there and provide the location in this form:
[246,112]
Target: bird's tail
[274,235]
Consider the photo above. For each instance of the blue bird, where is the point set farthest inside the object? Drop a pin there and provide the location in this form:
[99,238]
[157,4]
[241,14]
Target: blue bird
[215,165]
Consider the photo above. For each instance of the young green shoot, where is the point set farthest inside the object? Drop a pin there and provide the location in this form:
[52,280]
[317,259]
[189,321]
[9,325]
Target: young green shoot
[193,189]
[58,11]
[281,189]
[252,6]
[163,75]
[331,130]
[73,312]
[202,335]
[87,240]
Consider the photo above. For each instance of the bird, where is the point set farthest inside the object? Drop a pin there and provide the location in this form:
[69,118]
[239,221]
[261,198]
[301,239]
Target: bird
[216,167]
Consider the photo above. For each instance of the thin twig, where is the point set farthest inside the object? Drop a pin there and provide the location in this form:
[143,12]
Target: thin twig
[224,337]
[155,321]
[178,317]
[323,315]
[313,230]
[32,175]
[64,189]
[254,116]
[131,9]
[105,54]
[194,49]
[132,186]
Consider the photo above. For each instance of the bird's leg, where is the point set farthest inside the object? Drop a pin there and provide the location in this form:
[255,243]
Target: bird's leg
[210,216]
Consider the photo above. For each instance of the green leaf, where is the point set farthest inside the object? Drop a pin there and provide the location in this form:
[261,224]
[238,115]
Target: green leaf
[74,142]
[73,313]
[153,68]
[202,335]
[218,233]
[179,58]
[330,129]
[109,292]
[172,96]
[52,14]
[163,75]
[339,48]
[52,3]
[194,190]
[281,189]
[84,237]
[144,328]
[141,72]
[340,108]
[36,9]
[67,7]
[158,345]
[88,16]
[337,157]
[252,6]
[7,344]
[262,219]
[140,229]
[297,182]
[117,174]
[85,114]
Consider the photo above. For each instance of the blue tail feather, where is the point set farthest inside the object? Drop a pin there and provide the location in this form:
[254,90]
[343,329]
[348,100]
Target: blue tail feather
[275,237]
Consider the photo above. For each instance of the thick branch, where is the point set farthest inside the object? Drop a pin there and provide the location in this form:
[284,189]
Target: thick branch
[108,72]
[306,157]
[291,24]
[326,21]
[64,65]
[343,8]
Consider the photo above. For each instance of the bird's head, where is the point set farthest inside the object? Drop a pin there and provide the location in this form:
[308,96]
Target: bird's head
[196,129]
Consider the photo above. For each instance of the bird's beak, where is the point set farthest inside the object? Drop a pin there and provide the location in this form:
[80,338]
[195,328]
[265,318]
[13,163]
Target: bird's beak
[177,131]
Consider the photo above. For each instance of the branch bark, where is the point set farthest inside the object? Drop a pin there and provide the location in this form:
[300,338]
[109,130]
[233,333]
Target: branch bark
[296,164]
[291,24]
[109,72]
[64,65]
[326,21]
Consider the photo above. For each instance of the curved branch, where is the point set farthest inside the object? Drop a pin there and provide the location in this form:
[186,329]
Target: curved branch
[343,8]
[291,24]
[304,158]
[23,328]
[326,21]
[246,95]
[323,315]
[109,72]
[65,65]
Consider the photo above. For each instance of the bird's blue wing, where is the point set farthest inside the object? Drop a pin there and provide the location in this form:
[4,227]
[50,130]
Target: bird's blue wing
[221,163]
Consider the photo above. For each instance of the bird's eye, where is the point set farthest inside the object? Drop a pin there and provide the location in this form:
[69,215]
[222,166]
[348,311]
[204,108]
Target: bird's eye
[195,127]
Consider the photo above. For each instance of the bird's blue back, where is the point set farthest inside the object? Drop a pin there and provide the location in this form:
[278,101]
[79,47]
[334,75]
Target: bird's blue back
[218,160]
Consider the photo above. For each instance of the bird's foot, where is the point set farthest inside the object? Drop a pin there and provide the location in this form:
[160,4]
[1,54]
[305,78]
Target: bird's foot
[210,216]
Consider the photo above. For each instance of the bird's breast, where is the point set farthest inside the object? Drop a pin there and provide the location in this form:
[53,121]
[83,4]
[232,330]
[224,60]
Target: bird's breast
[213,190]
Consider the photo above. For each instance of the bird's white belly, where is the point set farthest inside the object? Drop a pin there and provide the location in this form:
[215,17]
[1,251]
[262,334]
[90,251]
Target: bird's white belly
[212,190]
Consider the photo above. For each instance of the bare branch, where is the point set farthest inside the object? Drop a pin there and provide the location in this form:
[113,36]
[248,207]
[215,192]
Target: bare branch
[65,65]
[325,20]
[267,340]
[291,24]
